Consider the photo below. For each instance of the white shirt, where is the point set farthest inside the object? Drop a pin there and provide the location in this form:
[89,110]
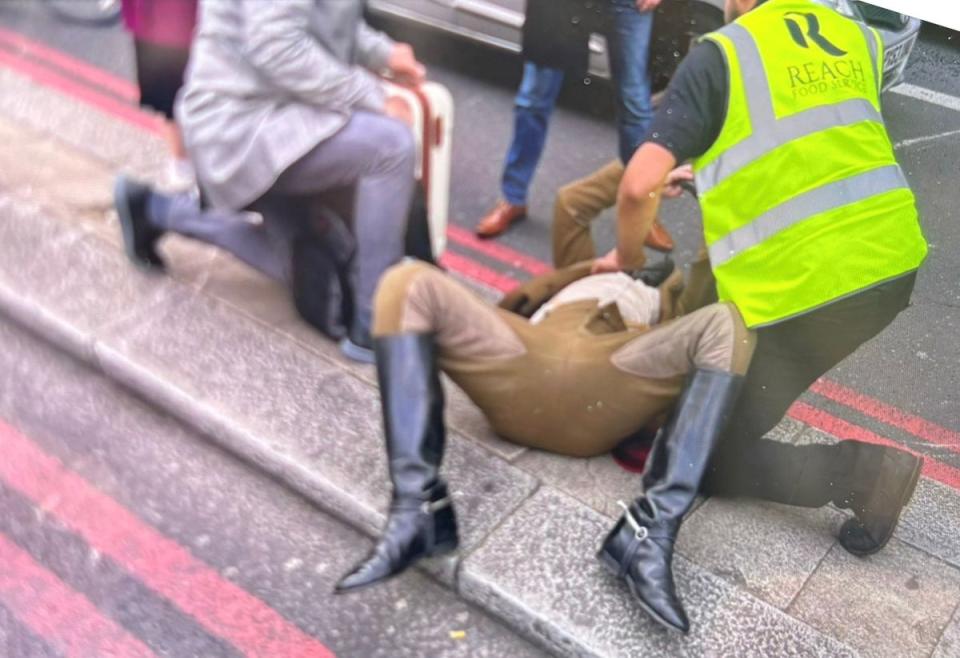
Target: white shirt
[637,302]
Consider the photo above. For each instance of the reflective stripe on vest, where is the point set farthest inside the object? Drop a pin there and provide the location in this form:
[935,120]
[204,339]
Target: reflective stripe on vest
[799,208]
[768,131]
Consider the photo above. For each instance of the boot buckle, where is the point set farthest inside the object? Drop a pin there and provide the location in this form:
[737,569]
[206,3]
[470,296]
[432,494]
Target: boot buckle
[639,532]
[429,507]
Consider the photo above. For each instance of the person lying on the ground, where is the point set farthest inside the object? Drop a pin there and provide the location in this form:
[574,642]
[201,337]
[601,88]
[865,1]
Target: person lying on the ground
[600,358]
[282,112]
[580,202]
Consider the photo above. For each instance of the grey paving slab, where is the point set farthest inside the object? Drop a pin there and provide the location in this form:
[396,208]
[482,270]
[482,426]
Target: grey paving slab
[769,550]
[77,284]
[596,482]
[244,287]
[810,435]
[930,520]
[949,645]
[895,603]
[298,330]
[79,124]
[539,572]
[42,169]
[292,412]
[188,261]
[786,430]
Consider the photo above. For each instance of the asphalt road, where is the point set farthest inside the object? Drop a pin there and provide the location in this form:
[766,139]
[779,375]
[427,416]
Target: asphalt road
[910,371]
[104,498]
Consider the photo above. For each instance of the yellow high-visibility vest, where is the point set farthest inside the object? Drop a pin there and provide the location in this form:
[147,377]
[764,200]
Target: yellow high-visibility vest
[803,200]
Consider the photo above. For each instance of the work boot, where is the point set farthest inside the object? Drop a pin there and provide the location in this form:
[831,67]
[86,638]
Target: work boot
[421,522]
[139,237]
[882,480]
[499,219]
[639,549]
[659,238]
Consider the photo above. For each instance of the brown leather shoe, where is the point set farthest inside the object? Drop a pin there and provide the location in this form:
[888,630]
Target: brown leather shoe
[658,238]
[499,219]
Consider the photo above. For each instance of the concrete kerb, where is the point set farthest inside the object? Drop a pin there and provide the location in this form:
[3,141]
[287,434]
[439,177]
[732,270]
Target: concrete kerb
[217,426]
[234,438]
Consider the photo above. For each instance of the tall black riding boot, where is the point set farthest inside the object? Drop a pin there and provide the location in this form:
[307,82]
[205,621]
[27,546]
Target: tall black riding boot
[639,549]
[421,522]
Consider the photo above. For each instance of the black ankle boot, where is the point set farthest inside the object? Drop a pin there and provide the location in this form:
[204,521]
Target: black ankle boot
[639,549]
[139,237]
[421,522]
[877,486]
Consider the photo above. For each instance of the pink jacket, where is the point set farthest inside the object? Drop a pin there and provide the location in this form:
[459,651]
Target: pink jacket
[163,22]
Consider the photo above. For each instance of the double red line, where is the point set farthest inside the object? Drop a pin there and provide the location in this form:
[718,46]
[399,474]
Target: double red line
[71,623]
[116,96]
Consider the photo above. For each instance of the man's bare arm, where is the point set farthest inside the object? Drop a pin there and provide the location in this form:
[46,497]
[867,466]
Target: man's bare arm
[638,200]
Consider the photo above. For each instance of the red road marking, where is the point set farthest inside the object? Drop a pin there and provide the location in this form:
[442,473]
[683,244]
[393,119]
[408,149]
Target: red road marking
[888,414]
[108,104]
[161,564]
[500,252]
[35,50]
[840,428]
[485,275]
[474,270]
[64,618]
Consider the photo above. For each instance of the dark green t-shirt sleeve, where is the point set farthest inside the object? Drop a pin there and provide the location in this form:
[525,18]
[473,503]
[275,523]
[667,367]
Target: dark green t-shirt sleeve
[694,107]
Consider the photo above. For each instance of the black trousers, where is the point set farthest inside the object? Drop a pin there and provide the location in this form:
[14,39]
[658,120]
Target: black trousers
[160,75]
[789,357]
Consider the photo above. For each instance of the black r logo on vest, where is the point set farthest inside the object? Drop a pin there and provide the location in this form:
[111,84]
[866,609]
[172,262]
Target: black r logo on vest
[812,33]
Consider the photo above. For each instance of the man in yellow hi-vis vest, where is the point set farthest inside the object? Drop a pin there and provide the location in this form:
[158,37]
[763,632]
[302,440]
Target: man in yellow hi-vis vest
[812,231]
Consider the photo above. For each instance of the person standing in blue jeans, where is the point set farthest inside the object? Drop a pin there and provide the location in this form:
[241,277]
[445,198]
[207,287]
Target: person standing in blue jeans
[627,26]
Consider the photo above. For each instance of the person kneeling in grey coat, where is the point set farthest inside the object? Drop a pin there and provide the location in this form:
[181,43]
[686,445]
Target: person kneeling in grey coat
[282,113]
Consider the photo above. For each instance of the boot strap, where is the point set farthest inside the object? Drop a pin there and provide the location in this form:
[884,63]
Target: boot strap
[425,507]
[640,533]
[429,507]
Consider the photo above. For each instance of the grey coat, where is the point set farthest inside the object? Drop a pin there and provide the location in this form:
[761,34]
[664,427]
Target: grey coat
[267,81]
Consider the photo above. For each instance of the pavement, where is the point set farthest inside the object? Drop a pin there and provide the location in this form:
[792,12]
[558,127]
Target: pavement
[220,348]
[168,546]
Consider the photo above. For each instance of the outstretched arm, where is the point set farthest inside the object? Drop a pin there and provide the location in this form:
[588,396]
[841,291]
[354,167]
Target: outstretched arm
[639,199]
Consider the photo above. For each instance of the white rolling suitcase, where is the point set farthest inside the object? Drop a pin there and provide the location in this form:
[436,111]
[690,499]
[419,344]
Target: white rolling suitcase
[431,106]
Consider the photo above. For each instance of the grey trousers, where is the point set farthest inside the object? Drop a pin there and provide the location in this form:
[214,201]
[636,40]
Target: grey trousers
[364,174]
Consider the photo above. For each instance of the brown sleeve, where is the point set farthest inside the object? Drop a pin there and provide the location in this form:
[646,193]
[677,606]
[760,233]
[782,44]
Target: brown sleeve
[531,295]
[701,288]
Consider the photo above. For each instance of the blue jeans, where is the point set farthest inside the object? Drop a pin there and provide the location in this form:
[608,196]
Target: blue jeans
[628,43]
